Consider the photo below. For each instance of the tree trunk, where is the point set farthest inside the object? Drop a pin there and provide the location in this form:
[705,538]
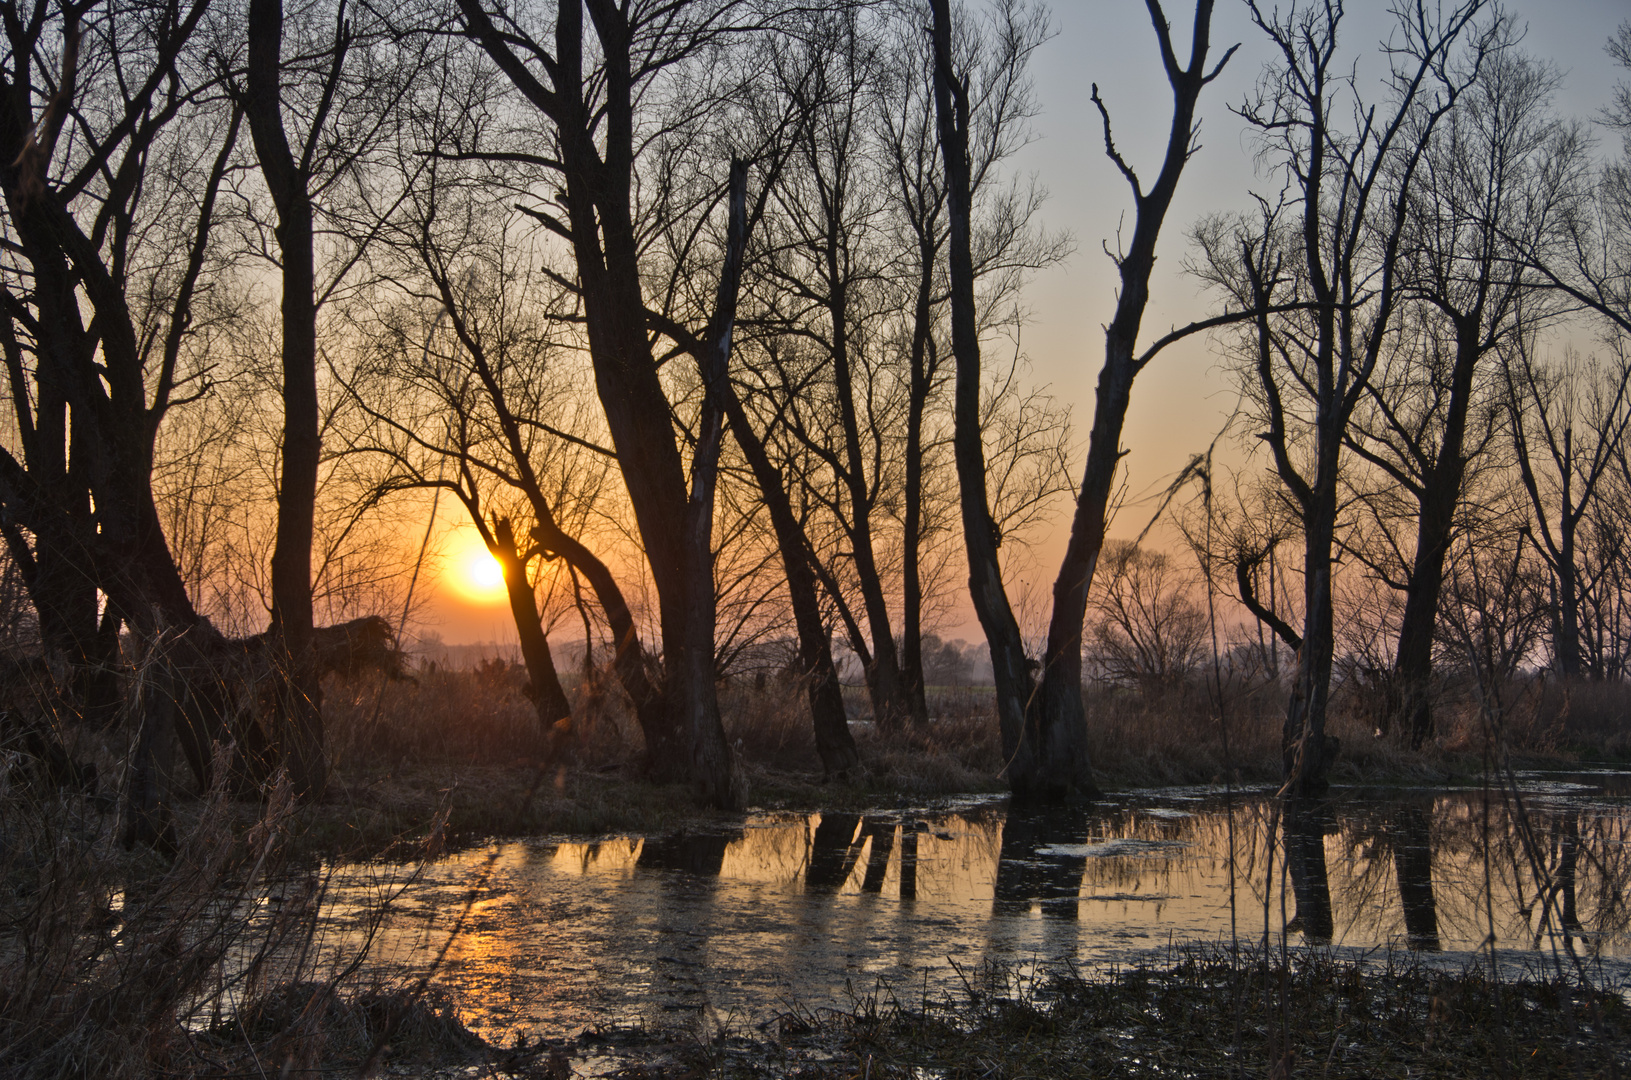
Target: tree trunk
[889,701]
[599,199]
[1009,666]
[922,383]
[629,659]
[712,762]
[834,743]
[1411,701]
[1306,751]
[543,684]
[301,693]
[1566,638]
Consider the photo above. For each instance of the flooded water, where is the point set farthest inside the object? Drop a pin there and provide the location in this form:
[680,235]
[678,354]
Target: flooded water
[555,936]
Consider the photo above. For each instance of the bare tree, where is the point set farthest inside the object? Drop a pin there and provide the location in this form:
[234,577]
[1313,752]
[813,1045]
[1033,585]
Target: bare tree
[1148,629]
[590,95]
[116,141]
[89,384]
[468,391]
[315,117]
[1569,424]
[1591,261]
[1500,173]
[1328,252]
[1044,729]
[821,274]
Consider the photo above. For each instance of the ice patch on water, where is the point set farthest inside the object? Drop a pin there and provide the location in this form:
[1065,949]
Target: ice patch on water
[1108,849]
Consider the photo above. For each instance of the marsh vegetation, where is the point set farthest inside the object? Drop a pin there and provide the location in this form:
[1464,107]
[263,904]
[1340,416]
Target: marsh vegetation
[705,319]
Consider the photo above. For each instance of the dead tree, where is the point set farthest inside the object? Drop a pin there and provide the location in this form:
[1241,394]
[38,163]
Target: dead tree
[1044,730]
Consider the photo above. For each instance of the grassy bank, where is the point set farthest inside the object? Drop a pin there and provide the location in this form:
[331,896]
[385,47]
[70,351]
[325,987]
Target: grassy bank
[460,754]
[468,742]
[1207,1014]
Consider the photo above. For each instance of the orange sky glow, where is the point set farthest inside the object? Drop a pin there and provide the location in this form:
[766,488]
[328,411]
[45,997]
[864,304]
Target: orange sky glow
[1183,401]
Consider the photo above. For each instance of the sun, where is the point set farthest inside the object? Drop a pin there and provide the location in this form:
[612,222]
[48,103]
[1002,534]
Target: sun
[474,573]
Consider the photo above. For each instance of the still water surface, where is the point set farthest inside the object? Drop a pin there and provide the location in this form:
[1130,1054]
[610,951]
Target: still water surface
[560,935]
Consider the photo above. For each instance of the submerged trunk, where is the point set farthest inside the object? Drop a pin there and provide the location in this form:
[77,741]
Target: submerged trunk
[1413,866]
[1304,836]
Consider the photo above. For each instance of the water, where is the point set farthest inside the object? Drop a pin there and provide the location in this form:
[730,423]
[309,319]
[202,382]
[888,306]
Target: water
[557,936]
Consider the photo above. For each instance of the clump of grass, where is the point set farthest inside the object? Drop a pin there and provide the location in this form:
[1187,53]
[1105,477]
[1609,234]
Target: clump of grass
[307,1025]
[117,963]
[1217,1013]
[470,716]
[1177,735]
[475,717]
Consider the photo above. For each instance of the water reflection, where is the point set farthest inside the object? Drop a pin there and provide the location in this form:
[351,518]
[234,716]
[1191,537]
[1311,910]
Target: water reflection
[1303,837]
[1044,855]
[803,906]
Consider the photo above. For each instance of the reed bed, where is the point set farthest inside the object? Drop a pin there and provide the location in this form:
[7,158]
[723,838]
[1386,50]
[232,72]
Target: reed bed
[1183,733]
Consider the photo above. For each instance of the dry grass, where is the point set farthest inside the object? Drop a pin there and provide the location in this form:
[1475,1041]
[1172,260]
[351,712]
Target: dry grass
[398,747]
[118,963]
[114,964]
[1213,1013]
[1210,1013]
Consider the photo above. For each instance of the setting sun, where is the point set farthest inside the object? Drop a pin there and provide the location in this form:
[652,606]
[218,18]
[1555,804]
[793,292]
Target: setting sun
[473,571]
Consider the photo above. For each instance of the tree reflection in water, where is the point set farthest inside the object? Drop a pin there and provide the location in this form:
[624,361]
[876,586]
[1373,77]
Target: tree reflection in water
[800,906]
[834,848]
[1413,864]
[1042,859]
[1305,826]
[880,831]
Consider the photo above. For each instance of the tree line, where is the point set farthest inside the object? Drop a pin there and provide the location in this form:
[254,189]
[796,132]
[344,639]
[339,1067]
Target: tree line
[706,313]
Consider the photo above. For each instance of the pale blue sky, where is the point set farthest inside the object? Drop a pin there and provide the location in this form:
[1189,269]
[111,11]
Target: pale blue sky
[1182,399]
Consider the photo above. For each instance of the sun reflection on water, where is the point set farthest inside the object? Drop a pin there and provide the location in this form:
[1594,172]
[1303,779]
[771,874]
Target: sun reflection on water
[809,907]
